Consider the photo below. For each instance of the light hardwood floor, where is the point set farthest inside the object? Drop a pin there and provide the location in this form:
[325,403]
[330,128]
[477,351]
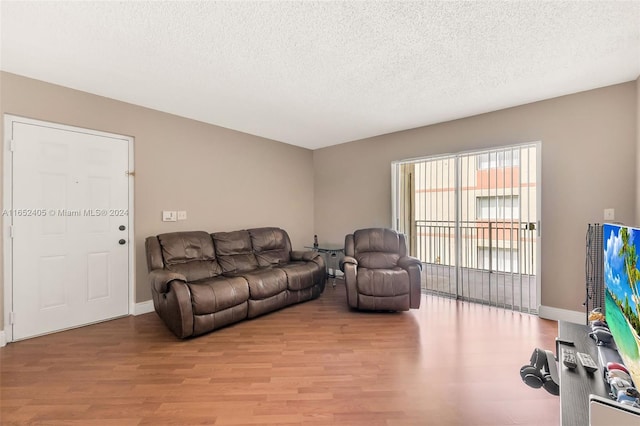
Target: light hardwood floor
[316,363]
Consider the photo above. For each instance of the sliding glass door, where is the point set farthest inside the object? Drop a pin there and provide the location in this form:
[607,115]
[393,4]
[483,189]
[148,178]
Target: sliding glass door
[472,218]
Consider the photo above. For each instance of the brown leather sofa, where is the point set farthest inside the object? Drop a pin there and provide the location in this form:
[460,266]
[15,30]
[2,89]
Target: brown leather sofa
[201,282]
[379,275]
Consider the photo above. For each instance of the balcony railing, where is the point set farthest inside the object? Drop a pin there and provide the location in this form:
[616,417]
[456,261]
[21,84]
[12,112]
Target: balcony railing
[497,261]
[493,246]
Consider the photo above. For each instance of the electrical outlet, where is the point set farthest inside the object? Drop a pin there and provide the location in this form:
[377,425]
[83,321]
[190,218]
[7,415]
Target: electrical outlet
[609,214]
[182,215]
[169,216]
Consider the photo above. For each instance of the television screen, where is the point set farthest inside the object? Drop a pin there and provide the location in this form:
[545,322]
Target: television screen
[622,287]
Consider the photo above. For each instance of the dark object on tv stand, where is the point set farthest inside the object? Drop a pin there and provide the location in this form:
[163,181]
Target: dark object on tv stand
[607,354]
[594,269]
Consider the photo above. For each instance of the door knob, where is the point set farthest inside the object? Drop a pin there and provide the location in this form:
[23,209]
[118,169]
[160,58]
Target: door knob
[122,241]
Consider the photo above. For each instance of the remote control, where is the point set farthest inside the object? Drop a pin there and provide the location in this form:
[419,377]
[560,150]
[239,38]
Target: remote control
[587,362]
[569,358]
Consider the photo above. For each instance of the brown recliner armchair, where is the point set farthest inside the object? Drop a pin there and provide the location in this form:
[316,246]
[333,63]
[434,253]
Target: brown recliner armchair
[378,273]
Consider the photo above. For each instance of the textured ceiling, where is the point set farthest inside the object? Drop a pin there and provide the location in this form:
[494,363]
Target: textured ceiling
[315,74]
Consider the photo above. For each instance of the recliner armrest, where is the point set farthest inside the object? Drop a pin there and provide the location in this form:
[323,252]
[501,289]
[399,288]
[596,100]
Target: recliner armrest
[160,279]
[347,259]
[407,261]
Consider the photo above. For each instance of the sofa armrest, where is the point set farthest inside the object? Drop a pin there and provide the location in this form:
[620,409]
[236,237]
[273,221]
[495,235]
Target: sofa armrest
[308,255]
[347,260]
[407,261]
[160,279]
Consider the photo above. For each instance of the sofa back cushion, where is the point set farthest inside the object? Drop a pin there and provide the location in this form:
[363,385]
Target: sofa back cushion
[271,246]
[234,251]
[378,248]
[190,254]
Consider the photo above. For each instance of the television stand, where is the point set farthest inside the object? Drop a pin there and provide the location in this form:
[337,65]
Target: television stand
[576,385]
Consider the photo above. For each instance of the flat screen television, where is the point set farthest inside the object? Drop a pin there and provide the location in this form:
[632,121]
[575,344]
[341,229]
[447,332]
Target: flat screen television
[622,292]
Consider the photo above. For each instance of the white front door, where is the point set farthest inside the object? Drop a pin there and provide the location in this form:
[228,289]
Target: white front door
[70,227]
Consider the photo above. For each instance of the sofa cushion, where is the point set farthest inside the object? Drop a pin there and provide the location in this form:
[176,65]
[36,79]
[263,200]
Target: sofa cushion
[270,245]
[264,283]
[377,248]
[234,251]
[190,254]
[377,260]
[300,275]
[383,282]
[216,294]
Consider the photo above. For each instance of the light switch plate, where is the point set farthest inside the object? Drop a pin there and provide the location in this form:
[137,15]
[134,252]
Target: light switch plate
[182,215]
[169,216]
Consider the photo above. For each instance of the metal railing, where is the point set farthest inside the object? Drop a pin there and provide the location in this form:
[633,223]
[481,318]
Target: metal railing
[490,262]
[494,246]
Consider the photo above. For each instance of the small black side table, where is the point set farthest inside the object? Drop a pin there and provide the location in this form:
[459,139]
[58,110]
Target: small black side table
[332,252]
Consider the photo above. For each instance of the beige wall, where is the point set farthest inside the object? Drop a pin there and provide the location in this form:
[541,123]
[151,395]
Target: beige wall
[230,180]
[224,179]
[588,164]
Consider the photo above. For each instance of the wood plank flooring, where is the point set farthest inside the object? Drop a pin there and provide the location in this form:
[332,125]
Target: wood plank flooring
[316,363]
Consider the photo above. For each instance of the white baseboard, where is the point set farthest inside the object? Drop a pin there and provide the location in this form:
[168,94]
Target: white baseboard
[557,314]
[140,308]
[143,307]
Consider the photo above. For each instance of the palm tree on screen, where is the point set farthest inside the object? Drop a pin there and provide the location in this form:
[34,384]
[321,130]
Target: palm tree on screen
[628,251]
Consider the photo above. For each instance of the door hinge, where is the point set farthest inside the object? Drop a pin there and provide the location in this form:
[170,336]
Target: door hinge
[12,145]
[11,231]
[12,318]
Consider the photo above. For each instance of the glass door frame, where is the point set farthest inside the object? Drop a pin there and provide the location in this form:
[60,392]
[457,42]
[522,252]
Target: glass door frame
[398,210]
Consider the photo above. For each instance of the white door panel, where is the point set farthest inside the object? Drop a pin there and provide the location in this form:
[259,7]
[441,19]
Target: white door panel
[70,197]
